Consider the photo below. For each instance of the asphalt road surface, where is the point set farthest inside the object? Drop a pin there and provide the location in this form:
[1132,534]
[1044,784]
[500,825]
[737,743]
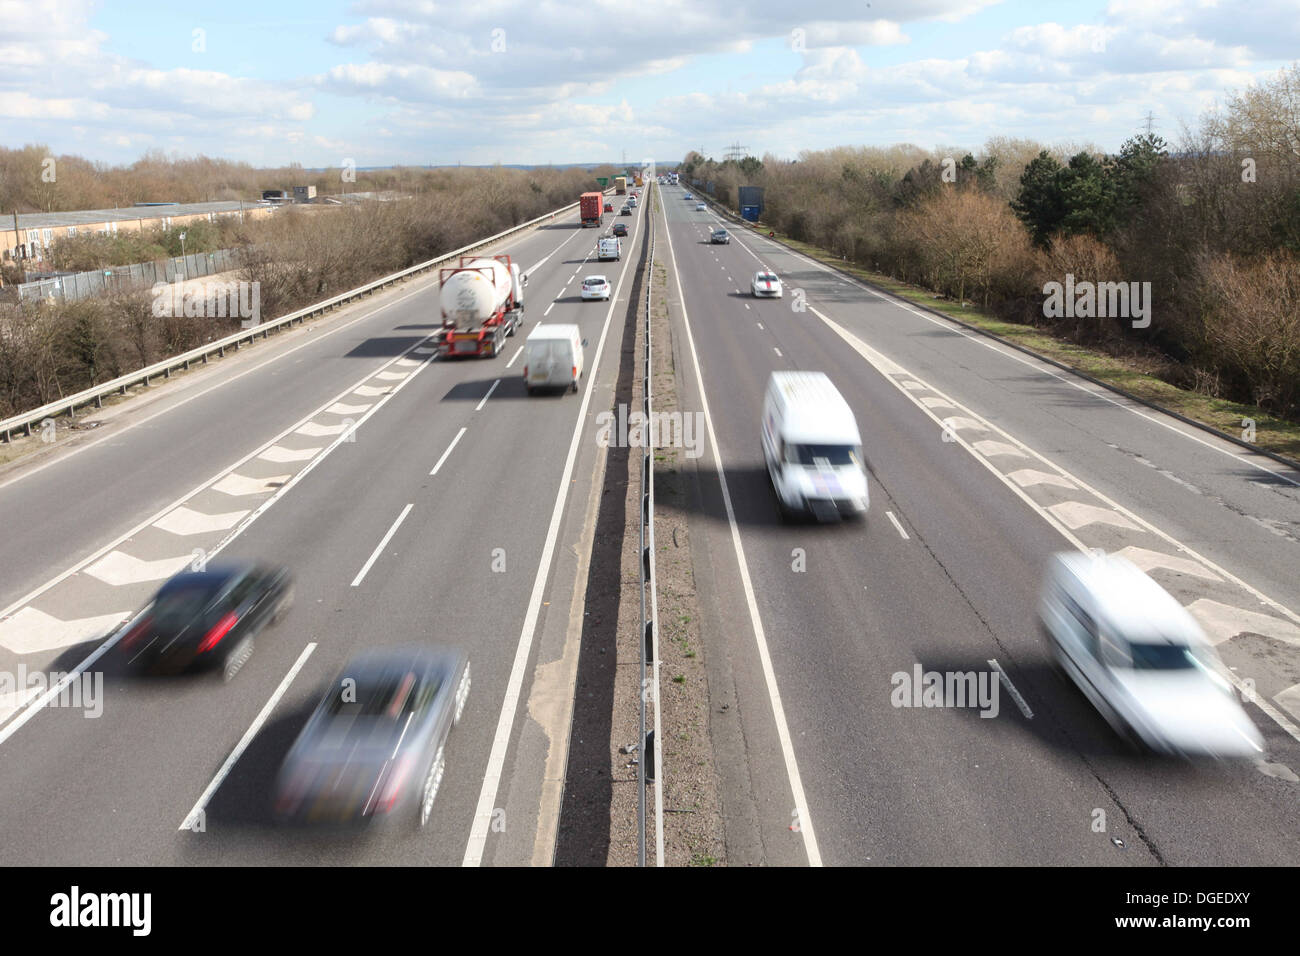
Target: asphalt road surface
[311,450]
[982,462]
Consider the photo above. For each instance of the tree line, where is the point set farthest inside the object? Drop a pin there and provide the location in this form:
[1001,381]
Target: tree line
[300,255]
[1212,223]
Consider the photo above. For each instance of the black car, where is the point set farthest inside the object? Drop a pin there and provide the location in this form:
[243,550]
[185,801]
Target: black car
[720,236]
[620,229]
[627,211]
[207,620]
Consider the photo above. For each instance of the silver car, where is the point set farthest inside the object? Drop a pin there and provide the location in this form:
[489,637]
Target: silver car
[375,746]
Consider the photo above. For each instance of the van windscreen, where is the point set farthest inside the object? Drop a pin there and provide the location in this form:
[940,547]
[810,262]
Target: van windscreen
[822,454]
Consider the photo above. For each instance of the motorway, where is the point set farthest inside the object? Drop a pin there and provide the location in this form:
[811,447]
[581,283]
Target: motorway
[982,462]
[414,501]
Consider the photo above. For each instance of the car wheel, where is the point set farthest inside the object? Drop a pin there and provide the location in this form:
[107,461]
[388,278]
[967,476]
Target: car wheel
[462,695]
[236,659]
[432,781]
[286,604]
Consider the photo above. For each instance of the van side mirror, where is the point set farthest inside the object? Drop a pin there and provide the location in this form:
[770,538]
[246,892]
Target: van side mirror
[525,280]
[584,343]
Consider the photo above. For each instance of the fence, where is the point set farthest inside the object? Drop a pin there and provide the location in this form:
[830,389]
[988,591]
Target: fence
[95,395]
[647,764]
[81,285]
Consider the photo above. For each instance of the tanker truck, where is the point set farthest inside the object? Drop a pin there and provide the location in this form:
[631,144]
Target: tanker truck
[482,302]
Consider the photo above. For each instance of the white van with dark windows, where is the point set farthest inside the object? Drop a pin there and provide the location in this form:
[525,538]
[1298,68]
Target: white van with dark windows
[812,447]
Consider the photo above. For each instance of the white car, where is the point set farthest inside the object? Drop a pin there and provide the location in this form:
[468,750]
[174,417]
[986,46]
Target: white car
[701,207]
[1142,659]
[766,284]
[596,287]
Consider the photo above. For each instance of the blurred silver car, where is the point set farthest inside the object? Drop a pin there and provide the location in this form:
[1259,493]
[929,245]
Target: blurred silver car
[375,746]
[1141,659]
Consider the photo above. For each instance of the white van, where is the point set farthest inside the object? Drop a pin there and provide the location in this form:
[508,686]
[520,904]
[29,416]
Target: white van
[812,447]
[1142,659]
[608,248]
[553,357]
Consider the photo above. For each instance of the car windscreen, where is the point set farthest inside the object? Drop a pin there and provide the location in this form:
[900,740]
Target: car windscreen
[822,454]
[392,695]
[178,606]
[593,283]
[765,277]
[1161,657]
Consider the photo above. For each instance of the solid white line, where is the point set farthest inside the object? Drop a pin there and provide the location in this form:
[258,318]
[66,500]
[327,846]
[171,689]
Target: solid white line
[897,525]
[244,741]
[487,797]
[519,351]
[33,708]
[346,436]
[1041,367]
[1011,689]
[382,544]
[888,367]
[479,406]
[544,315]
[118,432]
[448,451]
[756,623]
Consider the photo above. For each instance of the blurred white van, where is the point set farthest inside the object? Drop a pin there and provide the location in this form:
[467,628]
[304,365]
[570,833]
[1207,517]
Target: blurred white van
[553,357]
[1141,659]
[812,447]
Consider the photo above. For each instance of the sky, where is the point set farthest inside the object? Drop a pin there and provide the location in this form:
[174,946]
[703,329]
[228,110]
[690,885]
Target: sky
[389,82]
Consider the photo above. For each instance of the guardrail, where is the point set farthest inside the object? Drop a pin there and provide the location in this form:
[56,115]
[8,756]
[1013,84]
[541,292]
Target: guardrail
[647,770]
[95,394]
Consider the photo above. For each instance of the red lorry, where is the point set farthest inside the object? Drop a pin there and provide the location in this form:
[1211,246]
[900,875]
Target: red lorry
[592,205]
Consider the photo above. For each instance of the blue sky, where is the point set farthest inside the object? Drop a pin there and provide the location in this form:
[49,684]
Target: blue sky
[416,81]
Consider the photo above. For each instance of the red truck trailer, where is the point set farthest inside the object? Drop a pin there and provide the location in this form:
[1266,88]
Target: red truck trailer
[482,302]
[592,206]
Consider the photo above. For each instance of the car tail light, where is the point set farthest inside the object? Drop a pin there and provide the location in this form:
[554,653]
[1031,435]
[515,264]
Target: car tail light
[219,630]
[525,371]
[136,632]
[575,373]
[393,786]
